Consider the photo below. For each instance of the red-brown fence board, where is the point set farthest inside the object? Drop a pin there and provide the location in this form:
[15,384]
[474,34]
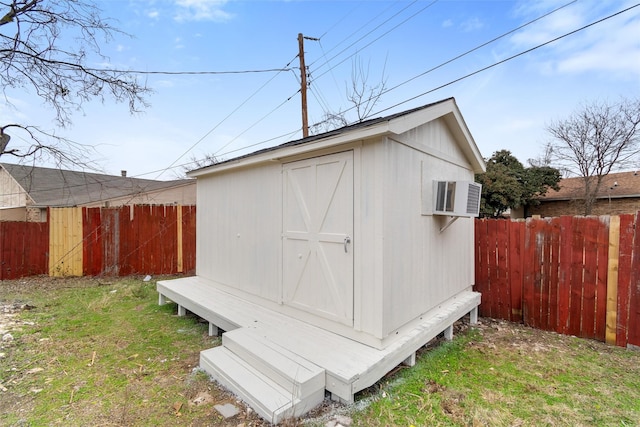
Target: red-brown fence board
[554,272]
[634,289]
[24,249]
[589,288]
[92,248]
[564,286]
[188,239]
[601,293]
[110,227]
[557,274]
[502,276]
[627,233]
[528,297]
[515,268]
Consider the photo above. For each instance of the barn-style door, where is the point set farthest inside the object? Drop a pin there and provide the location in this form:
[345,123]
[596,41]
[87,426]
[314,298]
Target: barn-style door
[317,236]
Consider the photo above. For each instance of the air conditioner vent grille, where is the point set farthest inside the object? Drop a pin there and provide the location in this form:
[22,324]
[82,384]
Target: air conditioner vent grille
[473,199]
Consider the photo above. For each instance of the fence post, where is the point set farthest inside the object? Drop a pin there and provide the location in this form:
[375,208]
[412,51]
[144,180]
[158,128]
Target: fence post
[612,279]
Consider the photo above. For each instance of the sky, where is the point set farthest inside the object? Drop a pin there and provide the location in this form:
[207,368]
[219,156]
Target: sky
[509,78]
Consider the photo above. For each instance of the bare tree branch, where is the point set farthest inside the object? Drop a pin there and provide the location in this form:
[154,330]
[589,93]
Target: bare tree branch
[596,140]
[45,46]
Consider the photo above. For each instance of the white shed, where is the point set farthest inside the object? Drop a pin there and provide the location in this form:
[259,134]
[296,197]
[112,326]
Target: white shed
[340,251]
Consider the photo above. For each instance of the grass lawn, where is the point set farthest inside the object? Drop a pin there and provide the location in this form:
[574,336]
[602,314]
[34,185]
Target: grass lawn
[79,352]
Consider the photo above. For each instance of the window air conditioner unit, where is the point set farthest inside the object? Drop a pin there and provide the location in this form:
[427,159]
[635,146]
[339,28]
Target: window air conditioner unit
[457,198]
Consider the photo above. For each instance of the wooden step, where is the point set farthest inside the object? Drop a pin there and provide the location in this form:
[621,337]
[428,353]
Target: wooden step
[292,372]
[269,399]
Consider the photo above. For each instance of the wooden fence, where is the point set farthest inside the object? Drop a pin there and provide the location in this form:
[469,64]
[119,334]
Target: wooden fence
[118,241]
[573,275]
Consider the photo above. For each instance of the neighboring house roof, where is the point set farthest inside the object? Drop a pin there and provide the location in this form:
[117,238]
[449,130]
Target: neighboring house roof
[48,187]
[393,124]
[614,185]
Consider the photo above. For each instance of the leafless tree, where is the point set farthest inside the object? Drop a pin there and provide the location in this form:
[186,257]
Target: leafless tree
[362,96]
[595,140]
[45,48]
[194,163]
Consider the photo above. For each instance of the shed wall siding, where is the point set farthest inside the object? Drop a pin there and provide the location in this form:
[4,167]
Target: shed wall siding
[403,266]
[422,266]
[240,214]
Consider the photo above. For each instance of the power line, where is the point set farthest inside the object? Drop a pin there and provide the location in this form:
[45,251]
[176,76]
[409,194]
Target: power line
[226,117]
[358,30]
[508,59]
[369,44]
[173,73]
[466,53]
[478,47]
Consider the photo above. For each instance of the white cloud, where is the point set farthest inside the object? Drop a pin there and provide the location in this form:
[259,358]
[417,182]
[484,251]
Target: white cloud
[447,23]
[153,14]
[201,10]
[178,43]
[471,25]
[611,46]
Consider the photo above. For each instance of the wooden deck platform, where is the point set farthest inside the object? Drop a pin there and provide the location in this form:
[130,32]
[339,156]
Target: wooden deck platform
[348,366]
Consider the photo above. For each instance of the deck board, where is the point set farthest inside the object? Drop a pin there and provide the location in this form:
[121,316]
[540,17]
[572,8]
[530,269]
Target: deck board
[352,364]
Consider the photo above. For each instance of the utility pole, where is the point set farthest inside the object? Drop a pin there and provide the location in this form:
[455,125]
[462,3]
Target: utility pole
[303,84]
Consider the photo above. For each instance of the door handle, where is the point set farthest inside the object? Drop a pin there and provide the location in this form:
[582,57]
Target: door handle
[347,240]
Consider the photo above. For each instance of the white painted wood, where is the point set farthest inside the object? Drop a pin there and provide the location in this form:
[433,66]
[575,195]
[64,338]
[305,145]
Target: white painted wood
[161,299]
[473,316]
[213,330]
[349,365]
[273,402]
[239,213]
[448,333]
[181,311]
[411,360]
[292,372]
[318,236]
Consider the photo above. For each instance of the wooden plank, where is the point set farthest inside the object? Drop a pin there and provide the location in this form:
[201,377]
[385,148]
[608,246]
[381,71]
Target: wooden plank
[493,296]
[189,239]
[516,247]
[65,242]
[601,280]
[546,273]
[564,286]
[612,280]
[577,270]
[624,278]
[502,270]
[179,235]
[634,289]
[482,266]
[110,241]
[590,228]
[125,234]
[529,315]
[554,273]
[92,241]
[535,255]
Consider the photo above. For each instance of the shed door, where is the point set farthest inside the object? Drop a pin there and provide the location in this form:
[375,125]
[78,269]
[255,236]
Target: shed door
[317,236]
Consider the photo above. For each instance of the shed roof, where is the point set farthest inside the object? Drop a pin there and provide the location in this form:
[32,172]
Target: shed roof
[614,185]
[393,124]
[58,187]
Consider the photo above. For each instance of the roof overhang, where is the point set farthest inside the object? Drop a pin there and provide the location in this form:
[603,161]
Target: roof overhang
[393,125]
